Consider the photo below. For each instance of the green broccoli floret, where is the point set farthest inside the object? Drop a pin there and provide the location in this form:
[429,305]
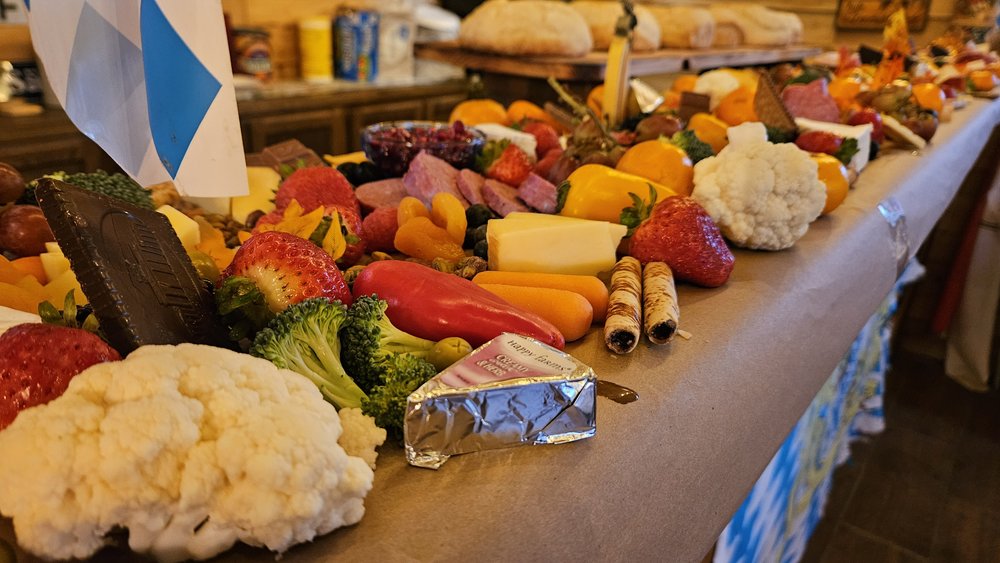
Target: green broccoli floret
[386,403]
[370,339]
[695,148]
[777,135]
[118,186]
[303,338]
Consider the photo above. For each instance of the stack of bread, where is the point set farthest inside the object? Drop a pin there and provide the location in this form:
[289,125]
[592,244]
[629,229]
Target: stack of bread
[555,28]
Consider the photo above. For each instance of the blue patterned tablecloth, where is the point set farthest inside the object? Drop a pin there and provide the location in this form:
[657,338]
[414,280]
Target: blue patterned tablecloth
[787,502]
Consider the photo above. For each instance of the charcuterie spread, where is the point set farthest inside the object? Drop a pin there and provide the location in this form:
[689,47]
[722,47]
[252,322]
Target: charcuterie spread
[228,377]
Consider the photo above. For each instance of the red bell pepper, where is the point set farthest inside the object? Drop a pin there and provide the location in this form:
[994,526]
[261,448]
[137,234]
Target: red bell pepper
[433,305]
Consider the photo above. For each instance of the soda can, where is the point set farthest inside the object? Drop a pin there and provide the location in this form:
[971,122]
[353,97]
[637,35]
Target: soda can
[356,45]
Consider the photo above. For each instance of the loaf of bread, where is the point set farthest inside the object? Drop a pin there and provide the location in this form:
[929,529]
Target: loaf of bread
[753,24]
[684,27]
[526,27]
[602,15]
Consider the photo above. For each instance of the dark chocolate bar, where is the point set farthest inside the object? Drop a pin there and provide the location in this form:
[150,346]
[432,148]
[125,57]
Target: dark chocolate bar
[692,103]
[292,152]
[132,268]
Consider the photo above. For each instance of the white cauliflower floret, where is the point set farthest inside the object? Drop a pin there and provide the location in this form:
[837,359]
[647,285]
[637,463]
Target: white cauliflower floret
[762,195]
[189,447]
[361,436]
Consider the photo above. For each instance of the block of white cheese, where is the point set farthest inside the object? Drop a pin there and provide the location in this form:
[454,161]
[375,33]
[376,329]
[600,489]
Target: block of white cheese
[534,242]
[186,228]
[900,134]
[263,183]
[861,133]
[497,132]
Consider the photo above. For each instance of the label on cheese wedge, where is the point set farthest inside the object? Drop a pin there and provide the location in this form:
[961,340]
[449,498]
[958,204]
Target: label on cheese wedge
[534,242]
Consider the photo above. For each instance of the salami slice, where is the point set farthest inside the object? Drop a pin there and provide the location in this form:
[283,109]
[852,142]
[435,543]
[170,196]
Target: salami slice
[382,193]
[811,101]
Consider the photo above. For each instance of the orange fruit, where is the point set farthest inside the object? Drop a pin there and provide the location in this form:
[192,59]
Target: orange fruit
[929,96]
[684,83]
[474,112]
[737,107]
[661,162]
[521,110]
[983,80]
[833,174]
[31,265]
[709,129]
[843,91]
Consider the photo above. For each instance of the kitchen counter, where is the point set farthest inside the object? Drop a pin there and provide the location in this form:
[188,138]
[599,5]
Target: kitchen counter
[664,474]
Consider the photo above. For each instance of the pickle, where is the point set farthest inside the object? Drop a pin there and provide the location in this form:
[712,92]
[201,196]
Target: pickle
[448,351]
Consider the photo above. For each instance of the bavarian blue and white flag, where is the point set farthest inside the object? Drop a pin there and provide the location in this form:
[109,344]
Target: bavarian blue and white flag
[149,81]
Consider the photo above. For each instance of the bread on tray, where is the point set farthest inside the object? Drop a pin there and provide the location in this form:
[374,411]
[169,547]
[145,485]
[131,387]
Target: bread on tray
[601,16]
[526,27]
[753,24]
[684,27]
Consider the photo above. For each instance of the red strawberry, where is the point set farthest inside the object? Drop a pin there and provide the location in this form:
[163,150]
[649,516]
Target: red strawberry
[511,167]
[38,360]
[284,269]
[379,229]
[819,141]
[546,136]
[355,250]
[316,186]
[352,221]
[681,233]
[544,165]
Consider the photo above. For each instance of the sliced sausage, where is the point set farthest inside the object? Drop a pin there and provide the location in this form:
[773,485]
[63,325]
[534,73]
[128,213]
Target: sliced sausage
[502,198]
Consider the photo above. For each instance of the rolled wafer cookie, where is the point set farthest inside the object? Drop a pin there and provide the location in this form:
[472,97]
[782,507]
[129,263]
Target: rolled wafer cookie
[661,313]
[623,324]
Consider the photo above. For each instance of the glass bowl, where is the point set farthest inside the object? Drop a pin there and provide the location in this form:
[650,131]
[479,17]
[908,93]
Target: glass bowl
[391,145]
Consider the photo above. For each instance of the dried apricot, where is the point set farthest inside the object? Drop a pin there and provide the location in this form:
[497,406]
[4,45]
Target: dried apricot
[449,214]
[420,238]
[409,208]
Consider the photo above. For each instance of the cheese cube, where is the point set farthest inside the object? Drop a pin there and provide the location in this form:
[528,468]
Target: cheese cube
[53,264]
[533,242]
[185,227]
[263,183]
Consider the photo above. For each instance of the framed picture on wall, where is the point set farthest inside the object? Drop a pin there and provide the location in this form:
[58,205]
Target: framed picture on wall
[872,14]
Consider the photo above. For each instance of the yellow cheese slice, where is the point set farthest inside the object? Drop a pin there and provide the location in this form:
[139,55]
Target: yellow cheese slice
[532,242]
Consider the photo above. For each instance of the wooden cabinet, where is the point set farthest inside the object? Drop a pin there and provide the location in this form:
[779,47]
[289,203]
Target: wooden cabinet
[329,122]
[37,145]
[322,131]
[439,107]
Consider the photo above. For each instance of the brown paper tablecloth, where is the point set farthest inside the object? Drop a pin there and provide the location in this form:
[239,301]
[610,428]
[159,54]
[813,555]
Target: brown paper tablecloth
[664,474]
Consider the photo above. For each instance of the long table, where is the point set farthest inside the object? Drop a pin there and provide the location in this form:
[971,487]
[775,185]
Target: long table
[664,474]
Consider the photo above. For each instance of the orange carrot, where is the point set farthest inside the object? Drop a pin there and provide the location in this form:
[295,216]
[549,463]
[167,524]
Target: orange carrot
[569,312]
[591,288]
